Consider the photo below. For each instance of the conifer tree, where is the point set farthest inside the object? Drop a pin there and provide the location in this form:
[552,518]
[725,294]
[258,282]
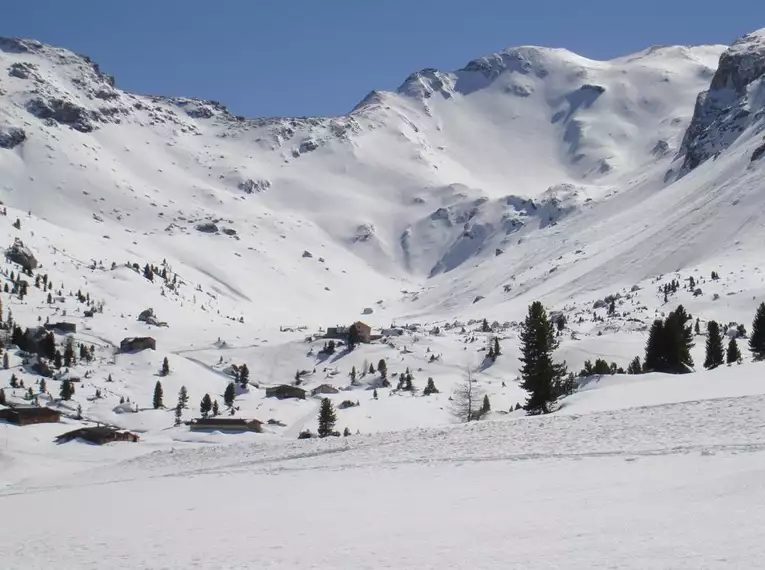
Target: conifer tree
[352,375]
[327,418]
[84,352]
[244,376]
[354,338]
[165,367]
[346,432]
[69,353]
[157,401]
[2,397]
[734,354]
[6,363]
[757,338]
[57,360]
[430,388]
[48,346]
[67,390]
[374,394]
[43,386]
[485,326]
[486,405]
[497,349]
[371,368]
[183,398]
[14,381]
[215,408]
[539,373]
[178,414]
[382,368]
[697,327]
[229,395]
[205,405]
[714,349]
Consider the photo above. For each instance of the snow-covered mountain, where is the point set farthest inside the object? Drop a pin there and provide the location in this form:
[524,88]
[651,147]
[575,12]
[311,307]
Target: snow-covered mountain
[532,173]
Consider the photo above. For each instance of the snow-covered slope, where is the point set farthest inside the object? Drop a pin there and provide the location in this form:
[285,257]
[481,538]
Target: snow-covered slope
[529,174]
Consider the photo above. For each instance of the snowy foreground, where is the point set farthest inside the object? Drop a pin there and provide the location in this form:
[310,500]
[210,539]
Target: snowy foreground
[676,485]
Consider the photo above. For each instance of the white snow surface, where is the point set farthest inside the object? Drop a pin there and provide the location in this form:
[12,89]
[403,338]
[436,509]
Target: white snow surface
[532,173]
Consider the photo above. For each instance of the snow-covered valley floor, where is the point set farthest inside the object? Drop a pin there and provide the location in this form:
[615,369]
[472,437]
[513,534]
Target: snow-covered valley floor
[675,485]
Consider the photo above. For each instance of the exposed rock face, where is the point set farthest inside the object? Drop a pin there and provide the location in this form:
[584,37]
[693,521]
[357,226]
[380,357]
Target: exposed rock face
[63,112]
[732,103]
[207,228]
[250,186]
[11,137]
[147,316]
[21,254]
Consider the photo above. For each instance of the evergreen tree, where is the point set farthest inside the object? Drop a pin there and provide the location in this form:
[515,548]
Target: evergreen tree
[244,376]
[165,367]
[109,378]
[14,381]
[697,327]
[183,398]
[17,337]
[408,386]
[79,412]
[354,338]
[374,394]
[539,373]
[6,363]
[148,272]
[215,408]
[50,299]
[714,353]
[178,414]
[157,401]
[57,360]
[43,386]
[485,326]
[486,405]
[757,338]
[48,346]
[2,397]
[497,349]
[371,368]
[352,375]
[67,390]
[680,341]
[346,432]
[84,355]
[382,368]
[205,405]
[734,354]
[612,307]
[327,418]
[430,388]
[69,353]
[634,366]
[229,395]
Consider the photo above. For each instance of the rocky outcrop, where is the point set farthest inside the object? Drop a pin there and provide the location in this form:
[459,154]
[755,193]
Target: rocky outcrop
[250,186]
[62,112]
[207,227]
[724,111]
[21,254]
[12,137]
[147,316]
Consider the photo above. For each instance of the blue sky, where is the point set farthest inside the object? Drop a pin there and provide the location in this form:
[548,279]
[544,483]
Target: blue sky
[316,57]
